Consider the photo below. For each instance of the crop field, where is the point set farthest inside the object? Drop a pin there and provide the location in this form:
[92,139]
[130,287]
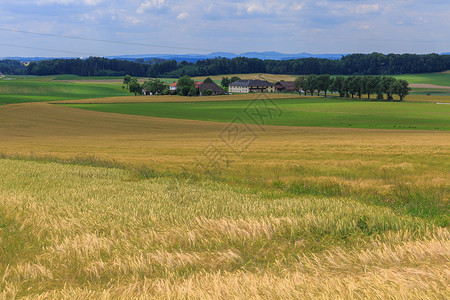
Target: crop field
[303,111]
[442,79]
[29,89]
[169,197]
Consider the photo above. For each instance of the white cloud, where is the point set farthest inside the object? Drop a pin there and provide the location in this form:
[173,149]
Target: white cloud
[269,7]
[67,2]
[366,8]
[256,8]
[237,25]
[299,6]
[346,7]
[183,16]
[147,5]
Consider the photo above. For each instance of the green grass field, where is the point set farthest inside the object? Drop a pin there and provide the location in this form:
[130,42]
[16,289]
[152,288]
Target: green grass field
[76,77]
[428,78]
[34,89]
[296,112]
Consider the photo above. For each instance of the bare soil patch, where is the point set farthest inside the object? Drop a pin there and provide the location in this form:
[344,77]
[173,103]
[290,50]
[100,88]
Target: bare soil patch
[428,86]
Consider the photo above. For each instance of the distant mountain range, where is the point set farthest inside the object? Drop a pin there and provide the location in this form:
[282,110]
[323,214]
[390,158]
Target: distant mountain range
[196,57]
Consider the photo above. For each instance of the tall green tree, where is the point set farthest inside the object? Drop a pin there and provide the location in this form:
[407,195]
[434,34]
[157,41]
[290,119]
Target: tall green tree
[352,85]
[371,85]
[299,84]
[225,81]
[385,86]
[135,87]
[311,84]
[193,92]
[154,86]
[185,81]
[234,79]
[339,86]
[126,80]
[323,83]
[400,88]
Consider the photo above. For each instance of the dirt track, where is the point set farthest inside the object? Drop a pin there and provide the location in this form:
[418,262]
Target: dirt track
[428,86]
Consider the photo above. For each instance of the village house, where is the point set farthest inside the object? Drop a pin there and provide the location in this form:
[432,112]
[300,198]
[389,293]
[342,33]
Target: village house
[146,93]
[205,86]
[173,87]
[251,86]
[285,86]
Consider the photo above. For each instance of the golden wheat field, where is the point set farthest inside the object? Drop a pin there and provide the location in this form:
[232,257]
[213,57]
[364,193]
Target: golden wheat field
[107,206]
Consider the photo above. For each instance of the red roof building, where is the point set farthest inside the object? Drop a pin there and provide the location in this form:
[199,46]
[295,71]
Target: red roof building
[173,86]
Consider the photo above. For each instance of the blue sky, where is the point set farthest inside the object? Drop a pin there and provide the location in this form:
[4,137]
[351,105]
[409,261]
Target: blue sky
[201,26]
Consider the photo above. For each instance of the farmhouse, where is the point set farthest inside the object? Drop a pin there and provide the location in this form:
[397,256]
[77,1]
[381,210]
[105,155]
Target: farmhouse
[173,86]
[251,86]
[285,86]
[216,90]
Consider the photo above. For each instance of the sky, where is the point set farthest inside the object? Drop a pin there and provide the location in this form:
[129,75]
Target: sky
[79,28]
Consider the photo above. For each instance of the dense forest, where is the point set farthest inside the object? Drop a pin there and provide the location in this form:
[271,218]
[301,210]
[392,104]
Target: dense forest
[10,66]
[353,64]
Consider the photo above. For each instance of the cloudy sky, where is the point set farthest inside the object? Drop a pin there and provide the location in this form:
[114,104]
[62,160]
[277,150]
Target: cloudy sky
[111,27]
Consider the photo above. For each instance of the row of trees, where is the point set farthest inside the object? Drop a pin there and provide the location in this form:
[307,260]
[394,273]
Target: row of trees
[155,86]
[354,64]
[354,85]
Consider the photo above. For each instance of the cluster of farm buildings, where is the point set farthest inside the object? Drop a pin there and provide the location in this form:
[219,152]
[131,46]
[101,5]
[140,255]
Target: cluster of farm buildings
[202,86]
[260,86]
[243,86]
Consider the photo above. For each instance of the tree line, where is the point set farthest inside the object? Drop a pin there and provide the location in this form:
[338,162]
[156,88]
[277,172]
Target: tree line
[13,67]
[354,86]
[353,64]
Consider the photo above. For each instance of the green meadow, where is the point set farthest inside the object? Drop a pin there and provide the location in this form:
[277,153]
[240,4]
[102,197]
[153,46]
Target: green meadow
[34,89]
[428,78]
[76,77]
[306,111]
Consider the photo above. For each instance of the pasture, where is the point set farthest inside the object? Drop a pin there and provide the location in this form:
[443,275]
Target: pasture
[302,111]
[442,79]
[159,197]
[31,89]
